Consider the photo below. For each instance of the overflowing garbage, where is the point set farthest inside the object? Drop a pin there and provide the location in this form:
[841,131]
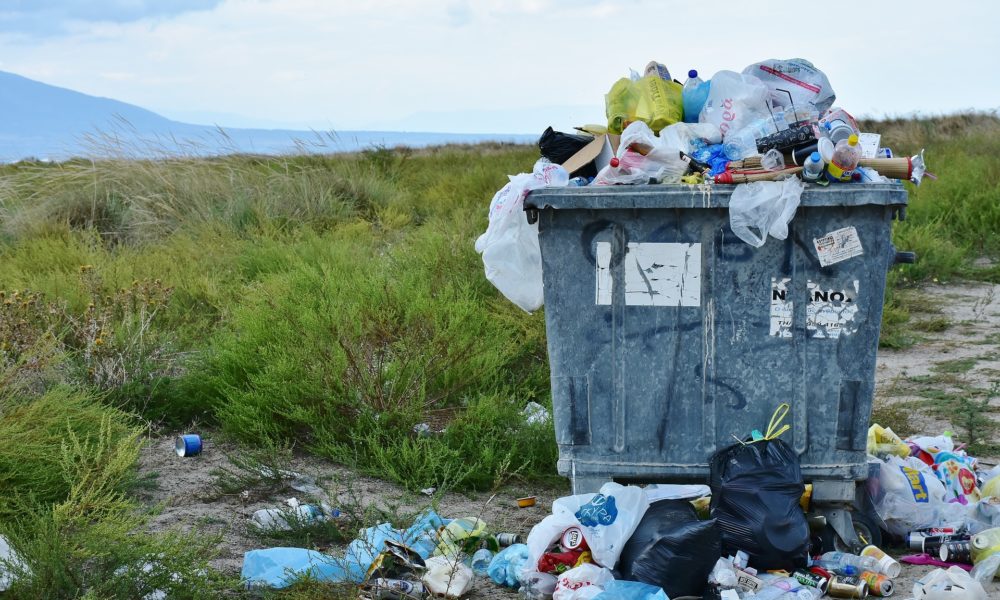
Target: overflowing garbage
[772,129]
[748,535]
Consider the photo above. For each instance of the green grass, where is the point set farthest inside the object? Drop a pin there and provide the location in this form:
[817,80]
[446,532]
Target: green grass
[324,304]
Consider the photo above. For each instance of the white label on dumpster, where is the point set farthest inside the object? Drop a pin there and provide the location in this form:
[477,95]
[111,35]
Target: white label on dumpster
[655,274]
[781,308]
[830,313]
[838,245]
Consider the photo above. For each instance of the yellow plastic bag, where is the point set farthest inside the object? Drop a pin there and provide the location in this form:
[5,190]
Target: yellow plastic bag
[456,533]
[660,102]
[882,441]
[655,101]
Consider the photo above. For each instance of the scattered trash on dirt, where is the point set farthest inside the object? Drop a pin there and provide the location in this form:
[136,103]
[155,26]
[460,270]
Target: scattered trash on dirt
[188,444]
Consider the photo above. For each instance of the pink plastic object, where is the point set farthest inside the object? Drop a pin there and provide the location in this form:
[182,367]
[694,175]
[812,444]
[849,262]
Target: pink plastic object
[927,559]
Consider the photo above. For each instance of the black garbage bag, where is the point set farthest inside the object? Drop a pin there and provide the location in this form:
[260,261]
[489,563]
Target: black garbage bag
[756,489]
[671,548]
[558,147]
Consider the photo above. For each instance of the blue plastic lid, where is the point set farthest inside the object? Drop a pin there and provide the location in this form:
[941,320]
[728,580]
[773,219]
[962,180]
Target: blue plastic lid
[692,73]
[815,157]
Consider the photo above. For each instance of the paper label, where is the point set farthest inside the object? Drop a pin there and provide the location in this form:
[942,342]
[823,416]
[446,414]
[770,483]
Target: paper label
[781,308]
[655,274]
[838,246]
[830,313]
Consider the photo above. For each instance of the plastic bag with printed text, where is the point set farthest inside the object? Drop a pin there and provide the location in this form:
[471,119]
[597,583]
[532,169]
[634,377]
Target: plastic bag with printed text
[510,250]
[734,102]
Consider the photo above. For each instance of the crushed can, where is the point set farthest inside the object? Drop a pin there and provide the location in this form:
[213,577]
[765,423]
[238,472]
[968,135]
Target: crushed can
[394,589]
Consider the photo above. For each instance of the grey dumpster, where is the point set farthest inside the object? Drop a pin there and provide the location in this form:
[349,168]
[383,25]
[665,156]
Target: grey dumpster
[668,336]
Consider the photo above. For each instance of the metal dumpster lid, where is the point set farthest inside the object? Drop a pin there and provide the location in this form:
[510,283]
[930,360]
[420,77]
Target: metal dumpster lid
[705,196]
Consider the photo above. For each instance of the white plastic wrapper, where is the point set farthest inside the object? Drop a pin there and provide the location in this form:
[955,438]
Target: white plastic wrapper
[794,82]
[763,208]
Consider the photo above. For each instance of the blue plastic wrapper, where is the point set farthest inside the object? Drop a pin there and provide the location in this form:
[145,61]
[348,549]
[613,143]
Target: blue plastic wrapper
[714,156]
[281,567]
[619,589]
[507,564]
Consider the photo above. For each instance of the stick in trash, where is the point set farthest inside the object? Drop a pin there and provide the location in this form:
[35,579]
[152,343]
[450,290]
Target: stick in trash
[747,177]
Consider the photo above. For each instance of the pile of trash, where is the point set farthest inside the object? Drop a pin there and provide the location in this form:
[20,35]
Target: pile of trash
[745,536]
[772,129]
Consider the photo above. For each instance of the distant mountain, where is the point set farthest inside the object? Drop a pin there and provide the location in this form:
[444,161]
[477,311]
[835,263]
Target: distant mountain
[44,121]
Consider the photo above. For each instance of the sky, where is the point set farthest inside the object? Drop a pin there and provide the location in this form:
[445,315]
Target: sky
[484,66]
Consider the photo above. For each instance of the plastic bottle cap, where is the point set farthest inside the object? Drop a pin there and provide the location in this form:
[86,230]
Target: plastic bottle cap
[815,157]
[692,73]
[852,140]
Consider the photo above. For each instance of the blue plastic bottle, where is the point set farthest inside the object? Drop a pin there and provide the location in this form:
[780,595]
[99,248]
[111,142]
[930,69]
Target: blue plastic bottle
[694,95]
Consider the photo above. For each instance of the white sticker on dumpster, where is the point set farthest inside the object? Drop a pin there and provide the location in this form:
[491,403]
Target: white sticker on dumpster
[830,313]
[655,274]
[781,308]
[838,246]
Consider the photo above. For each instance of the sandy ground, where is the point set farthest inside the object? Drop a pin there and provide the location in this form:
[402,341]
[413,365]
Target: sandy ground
[185,496]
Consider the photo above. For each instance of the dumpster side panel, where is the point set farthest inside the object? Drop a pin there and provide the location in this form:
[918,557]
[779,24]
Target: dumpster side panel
[669,337]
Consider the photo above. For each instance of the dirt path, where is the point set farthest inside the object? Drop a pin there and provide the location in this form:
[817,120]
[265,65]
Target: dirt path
[958,355]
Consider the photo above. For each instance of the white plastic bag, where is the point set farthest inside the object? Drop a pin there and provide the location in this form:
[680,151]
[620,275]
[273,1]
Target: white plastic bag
[607,519]
[760,208]
[581,583]
[911,497]
[509,247]
[793,82]
[11,565]
[643,156]
[734,101]
[953,584]
[683,135]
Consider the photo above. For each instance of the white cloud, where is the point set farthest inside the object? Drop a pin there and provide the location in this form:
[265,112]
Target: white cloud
[366,64]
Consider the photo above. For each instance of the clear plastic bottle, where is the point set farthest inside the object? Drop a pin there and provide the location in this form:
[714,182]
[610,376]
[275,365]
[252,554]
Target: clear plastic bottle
[694,94]
[845,159]
[838,561]
[812,168]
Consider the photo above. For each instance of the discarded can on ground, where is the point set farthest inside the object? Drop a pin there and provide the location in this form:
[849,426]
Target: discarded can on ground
[956,551]
[878,584]
[395,589]
[188,444]
[508,539]
[847,587]
[571,539]
[886,563]
[932,543]
[811,579]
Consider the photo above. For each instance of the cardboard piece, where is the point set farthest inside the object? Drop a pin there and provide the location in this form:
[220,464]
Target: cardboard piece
[600,151]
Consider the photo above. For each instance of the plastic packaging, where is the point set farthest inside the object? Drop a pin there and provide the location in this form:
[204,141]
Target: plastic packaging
[607,519]
[886,564]
[882,440]
[507,564]
[511,255]
[812,169]
[538,586]
[777,587]
[763,208]
[755,499]
[909,496]
[11,565]
[672,549]
[581,583]
[837,561]
[985,547]
[481,560]
[642,156]
[651,99]
[953,584]
[773,160]
[690,137]
[447,576]
[455,532]
[846,155]
[695,93]
[734,101]
[794,82]
[283,519]
[631,590]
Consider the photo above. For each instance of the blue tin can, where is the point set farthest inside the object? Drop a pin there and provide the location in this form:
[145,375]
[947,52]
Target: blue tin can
[188,444]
